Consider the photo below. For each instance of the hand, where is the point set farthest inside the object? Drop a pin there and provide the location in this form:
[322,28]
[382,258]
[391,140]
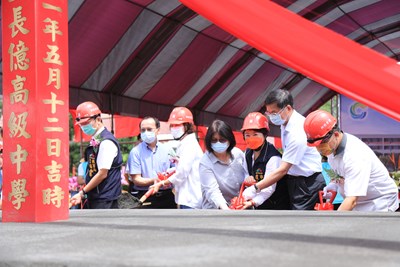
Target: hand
[161,176]
[156,187]
[329,187]
[170,170]
[75,200]
[247,205]
[249,193]
[225,207]
[249,181]
[156,180]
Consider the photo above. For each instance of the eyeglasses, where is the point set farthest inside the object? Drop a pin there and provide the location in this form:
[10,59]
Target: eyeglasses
[274,113]
[221,140]
[147,130]
[84,118]
[324,139]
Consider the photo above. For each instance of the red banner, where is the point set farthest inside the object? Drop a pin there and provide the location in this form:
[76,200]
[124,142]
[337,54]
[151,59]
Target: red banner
[35,89]
[121,126]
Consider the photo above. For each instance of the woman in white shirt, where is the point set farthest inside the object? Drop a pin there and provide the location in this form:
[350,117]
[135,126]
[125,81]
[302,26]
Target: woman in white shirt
[221,168]
[185,180]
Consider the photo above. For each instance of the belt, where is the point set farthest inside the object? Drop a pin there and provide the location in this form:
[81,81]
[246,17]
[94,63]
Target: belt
[315,174]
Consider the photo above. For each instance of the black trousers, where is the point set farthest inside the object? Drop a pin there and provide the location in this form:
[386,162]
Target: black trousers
[163,199]
[95,204]
[303,191]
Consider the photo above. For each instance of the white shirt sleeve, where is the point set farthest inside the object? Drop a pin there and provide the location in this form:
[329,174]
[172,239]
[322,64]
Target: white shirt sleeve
[273,163]
[246,170]
[134,164]
[80,169]
[211,187]
[184,166]
[107,152]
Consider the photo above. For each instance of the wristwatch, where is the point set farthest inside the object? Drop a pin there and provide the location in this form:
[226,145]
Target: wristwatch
[256,187]
[83,194]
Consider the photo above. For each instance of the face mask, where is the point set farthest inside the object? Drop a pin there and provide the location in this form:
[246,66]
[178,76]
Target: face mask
[220,147]
[177,132]
[325,149]
[254,142]
[88,129]
[148,137]
[276,119]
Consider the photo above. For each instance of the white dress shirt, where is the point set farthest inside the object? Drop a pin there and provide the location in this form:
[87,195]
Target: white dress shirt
[305,160]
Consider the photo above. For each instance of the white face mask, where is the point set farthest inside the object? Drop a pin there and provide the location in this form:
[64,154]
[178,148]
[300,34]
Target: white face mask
[148,137]
[276,119]
[220,147]
[177,132]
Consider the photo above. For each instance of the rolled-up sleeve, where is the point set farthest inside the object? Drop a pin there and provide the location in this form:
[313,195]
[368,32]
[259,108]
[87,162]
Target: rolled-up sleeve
[210,186]
[273,163]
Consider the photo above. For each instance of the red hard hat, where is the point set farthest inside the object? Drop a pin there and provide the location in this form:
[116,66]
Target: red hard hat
[255,120]
[317,124]
[85,111]
[180,115]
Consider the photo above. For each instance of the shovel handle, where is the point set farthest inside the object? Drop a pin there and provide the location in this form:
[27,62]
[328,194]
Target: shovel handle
[151,191]
[163,177]
[334,193]
[238,201]
[145,196]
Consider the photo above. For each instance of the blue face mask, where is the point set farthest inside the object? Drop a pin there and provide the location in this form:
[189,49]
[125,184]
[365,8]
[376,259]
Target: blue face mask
[276,119]
[148,137]
[220,147]
[88,129]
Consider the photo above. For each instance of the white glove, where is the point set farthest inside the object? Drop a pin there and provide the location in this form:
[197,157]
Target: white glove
[249,193]
[332,187]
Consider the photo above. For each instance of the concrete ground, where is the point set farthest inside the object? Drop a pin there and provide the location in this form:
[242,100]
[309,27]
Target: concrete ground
[205,238]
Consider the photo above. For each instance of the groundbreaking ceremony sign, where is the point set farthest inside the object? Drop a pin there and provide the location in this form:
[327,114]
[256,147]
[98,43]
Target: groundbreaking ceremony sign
[36,130]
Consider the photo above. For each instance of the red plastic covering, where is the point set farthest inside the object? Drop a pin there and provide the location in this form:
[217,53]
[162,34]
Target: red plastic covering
[321,54]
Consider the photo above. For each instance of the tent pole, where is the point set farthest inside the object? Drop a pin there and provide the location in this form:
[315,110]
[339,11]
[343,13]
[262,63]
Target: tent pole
[112,114]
